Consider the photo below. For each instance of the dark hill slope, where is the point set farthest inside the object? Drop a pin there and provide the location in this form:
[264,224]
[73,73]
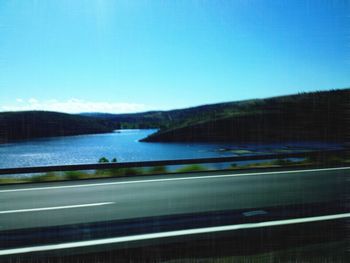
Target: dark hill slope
[179,117]
[143,120]
[35,124]
[319,116]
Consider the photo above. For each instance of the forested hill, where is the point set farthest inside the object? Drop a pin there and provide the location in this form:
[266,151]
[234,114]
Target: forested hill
[319,116]
[36,124]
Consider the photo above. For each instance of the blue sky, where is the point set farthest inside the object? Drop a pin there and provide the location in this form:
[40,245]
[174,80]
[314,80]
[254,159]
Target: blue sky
[126,56]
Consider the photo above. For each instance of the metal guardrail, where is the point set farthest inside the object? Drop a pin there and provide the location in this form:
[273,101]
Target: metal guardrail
[101,166]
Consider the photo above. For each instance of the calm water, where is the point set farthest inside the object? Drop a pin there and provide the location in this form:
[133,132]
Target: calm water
[124,146]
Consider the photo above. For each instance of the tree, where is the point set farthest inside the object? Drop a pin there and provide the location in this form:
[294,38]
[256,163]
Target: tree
[103,160]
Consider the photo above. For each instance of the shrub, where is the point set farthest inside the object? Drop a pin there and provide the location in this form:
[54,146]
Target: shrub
[103,160]
[133,171]
[74,175]
[282,162]
[191,168]
[11,180]
[233,166]
[158,170]
[50,176]
[335,160]
[119,172]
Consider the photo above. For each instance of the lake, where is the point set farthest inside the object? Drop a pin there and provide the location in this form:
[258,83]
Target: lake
[125,146]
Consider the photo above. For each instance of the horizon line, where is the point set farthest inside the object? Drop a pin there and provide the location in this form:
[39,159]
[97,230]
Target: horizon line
[35,102]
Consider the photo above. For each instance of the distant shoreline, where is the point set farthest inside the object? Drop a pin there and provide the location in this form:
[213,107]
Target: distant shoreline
[313,116]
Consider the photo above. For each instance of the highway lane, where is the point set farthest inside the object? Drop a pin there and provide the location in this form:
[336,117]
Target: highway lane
[42,205]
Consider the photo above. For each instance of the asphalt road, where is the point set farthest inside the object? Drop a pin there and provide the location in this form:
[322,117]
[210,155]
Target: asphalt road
[66,203]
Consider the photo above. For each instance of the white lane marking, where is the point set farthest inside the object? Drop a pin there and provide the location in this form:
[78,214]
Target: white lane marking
[53,208]
[186,232]
[170,179]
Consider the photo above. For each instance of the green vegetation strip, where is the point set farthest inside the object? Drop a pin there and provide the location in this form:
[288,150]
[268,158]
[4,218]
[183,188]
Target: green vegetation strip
[156,170]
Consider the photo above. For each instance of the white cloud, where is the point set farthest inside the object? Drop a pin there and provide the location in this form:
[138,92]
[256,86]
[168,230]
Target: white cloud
[74,106]
[33,101]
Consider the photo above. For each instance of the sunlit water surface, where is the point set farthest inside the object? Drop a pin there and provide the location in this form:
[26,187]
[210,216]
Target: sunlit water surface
[125,146]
